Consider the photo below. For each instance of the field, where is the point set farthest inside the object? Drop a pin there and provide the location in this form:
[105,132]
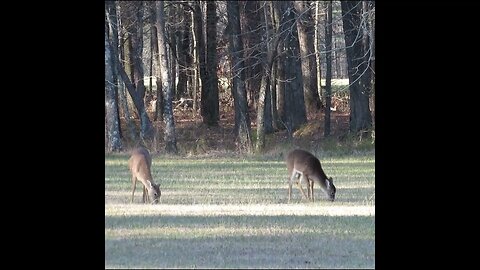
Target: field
[227,212]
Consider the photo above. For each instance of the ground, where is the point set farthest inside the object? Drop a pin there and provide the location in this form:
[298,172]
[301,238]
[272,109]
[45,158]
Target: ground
[194,137]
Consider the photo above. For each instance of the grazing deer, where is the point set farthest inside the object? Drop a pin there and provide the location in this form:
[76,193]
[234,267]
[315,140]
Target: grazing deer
[303,167]
[140,164]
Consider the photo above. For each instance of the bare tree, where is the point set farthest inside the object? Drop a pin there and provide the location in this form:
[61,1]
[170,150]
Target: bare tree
[328,75]
[156,60]
[200,49]
[307,53]
[135,87]
[117,37]
[242,117]
[317,50]
[111,106]
[357,59]
[210,101]
[250,14]
[265,100]
[170,138]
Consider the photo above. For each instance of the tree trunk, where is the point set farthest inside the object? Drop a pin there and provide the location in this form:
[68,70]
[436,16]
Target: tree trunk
[242,117]
[170,138]
[171,34]
[250,23]
[182,53]
[273,91]
[360,117]
[158,115]
[137,38]
[294,94]
[328,75]
[307,54]
[136,94]
[317,51]
[280,64]
[196,72]
[117,38]
[210,102]
[200,48]
[111,105]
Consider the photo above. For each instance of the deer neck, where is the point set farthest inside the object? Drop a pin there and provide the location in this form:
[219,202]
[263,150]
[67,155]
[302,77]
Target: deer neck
[147,183]
[321,181]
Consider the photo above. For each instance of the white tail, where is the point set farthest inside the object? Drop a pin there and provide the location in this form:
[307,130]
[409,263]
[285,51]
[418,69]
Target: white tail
[303,167]
[140,164]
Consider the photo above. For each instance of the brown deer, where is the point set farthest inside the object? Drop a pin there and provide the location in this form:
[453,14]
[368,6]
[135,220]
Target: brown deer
[303,167]
[140,164]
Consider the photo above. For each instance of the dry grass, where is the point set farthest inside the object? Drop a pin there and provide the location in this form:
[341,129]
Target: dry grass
[232,212]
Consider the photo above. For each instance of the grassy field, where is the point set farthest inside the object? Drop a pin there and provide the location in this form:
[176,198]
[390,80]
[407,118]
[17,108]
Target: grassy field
[233,213]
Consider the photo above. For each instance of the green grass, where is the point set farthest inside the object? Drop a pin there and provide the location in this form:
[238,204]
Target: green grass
[233,213]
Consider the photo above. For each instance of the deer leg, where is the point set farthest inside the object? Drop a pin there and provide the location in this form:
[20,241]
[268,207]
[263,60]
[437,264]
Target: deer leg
[134,184]
[289,191]
[299,184]
[310,186]
[145,195]
[290,181]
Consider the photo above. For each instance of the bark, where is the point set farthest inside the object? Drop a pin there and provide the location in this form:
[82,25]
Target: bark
[251,21]
[170,138]
[196,72]
[136,89]
[210,102]
[307,54]
[328,75]
[137,37]
[317,51]
[183,54]
[158,115]
[280,70]
[114,142]
[242,117]
[294,94]
[360,116]
[265,101]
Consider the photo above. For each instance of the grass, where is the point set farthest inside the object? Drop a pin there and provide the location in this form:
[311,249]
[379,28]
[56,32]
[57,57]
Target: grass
[233,213]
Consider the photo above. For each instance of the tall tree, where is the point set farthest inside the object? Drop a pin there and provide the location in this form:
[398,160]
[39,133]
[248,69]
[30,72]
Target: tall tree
[251,35]
[328,75]
[242,117]
[279,67]
[316,44]
[307,53]
[290,89]
[139,74]
[183,55]
[360,116]
[156,60]
[135,87]
[200,49]
[170,138]
[210,100]
[113,127]
[295,111]
[265,100]
[117,35]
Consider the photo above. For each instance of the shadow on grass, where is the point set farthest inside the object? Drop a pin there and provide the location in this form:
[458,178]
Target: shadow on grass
[344,242]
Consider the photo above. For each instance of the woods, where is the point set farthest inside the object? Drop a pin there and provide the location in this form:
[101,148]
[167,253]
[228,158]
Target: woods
[270,66]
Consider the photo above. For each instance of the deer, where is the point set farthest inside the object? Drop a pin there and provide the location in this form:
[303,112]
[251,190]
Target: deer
[304,167]
[140,164]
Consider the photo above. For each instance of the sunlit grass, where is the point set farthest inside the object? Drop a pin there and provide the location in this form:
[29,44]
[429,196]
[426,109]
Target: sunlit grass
[233,213]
